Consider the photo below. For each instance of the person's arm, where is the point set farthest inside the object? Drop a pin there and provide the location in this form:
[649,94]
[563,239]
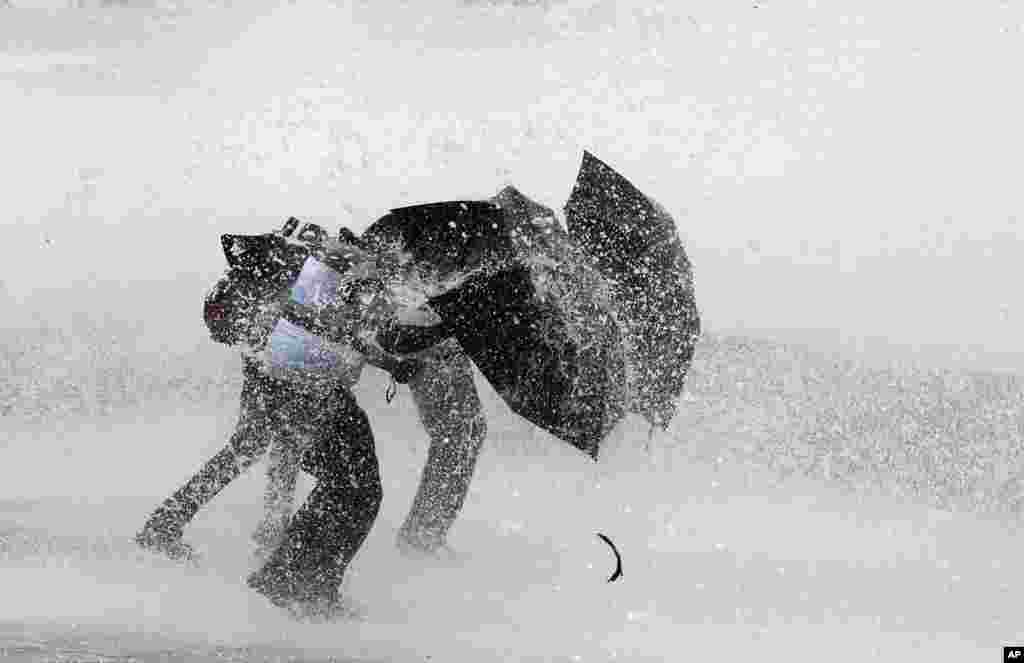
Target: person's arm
[407,339]
[402,369]
[316,321]
[319,322]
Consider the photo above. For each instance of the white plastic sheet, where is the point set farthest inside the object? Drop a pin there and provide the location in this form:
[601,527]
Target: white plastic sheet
[294,352]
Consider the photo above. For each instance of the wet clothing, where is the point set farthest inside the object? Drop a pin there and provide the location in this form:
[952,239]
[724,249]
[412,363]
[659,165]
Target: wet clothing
[238,311]
[409,339]
[265,407]
[327,531]
[314,423]
[275,413]
[318,426]
[449,409]
[325,534]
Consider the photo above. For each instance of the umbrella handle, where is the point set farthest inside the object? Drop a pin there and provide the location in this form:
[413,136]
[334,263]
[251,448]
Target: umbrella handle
[391,390]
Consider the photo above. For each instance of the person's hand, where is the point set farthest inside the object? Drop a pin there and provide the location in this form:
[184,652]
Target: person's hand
[387,337]
[379,312]
[406,369]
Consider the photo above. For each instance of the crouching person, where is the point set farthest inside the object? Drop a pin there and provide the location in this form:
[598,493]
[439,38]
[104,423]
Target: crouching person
[317,346]
[241,311]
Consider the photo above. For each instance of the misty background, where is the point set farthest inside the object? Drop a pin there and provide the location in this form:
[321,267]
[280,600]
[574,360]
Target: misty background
[845,474]
[841,176]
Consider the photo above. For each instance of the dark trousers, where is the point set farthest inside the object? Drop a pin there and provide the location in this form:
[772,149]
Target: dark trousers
[327,531]
[449,410]
[266,409]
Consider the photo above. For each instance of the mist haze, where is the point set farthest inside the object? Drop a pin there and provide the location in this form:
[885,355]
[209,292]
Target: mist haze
[843,474]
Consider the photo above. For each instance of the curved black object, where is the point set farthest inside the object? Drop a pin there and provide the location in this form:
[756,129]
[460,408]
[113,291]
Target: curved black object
[634,243]
[451,236]
[618,558]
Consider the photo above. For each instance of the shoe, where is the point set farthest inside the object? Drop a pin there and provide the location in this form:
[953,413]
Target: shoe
[324,610]
[283,588]
[168,544]
[324,604]
[270,586]
[423,550]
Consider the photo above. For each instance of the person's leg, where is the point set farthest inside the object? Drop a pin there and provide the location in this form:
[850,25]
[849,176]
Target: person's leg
[164,528]
[279,498]
[325,534]
[450,411]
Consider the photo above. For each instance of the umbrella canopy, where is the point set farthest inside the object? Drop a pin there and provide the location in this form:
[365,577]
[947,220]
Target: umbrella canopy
[442,241]
[553,365]
[566,281]
[634,243]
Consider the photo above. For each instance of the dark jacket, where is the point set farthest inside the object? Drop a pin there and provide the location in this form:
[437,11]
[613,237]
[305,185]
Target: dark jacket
[242,310]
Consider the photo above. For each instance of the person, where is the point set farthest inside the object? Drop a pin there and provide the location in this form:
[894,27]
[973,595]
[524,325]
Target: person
[241,310]
[304,572]
[448,406]
[449,409]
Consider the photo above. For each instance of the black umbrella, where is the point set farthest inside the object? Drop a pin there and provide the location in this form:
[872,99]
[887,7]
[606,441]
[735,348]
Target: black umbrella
[551,365]
[444,240]
[635,244]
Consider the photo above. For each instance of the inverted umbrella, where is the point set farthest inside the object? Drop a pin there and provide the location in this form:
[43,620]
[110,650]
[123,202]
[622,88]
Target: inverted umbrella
[552,366]
[634,243]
